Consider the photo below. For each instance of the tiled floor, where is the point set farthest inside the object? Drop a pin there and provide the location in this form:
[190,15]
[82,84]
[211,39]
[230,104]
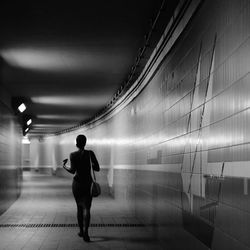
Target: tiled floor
[48,200]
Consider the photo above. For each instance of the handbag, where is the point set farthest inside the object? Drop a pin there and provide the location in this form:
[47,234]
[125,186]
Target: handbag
[95,189]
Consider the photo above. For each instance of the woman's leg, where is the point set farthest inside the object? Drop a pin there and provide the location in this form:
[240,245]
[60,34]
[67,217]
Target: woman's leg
[80,218]
[86,220]
[76,192]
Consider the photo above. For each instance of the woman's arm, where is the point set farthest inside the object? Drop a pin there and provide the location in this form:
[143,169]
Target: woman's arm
[70,169]
[95,163]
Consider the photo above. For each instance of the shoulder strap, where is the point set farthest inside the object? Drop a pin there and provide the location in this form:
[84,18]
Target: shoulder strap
[91,166]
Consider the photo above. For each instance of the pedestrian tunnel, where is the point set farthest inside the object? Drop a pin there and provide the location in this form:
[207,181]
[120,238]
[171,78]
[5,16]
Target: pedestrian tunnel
[173,148]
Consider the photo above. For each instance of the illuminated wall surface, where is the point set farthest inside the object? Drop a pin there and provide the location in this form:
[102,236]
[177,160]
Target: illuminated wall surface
[179,153]
[10,158]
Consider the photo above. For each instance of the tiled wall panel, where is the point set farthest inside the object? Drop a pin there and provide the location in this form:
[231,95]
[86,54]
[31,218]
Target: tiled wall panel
[10,158]
[178,154]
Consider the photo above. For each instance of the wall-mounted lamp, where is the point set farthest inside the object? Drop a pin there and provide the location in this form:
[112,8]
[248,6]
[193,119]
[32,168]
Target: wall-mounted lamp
[29,122]
[19,104]
[25,130]
[21,107]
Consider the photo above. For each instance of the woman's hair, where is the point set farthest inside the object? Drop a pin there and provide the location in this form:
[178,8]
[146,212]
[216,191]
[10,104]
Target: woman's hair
[81,141]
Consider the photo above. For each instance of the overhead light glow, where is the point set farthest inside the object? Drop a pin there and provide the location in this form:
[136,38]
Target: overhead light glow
[41,59]
[25,140]
[93,101]
[57,59]
[27,129]
[22,107]
[51,125]
[29,122]
[60,117]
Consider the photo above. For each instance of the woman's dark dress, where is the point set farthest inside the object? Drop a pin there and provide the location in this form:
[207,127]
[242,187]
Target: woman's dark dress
[80,165]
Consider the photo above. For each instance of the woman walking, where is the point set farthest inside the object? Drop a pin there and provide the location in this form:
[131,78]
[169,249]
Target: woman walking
[81,162]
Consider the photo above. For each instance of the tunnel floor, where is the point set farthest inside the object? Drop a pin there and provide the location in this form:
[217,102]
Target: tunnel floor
[44,217]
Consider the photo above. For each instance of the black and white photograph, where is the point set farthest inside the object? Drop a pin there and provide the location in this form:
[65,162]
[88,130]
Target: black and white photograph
[124,125]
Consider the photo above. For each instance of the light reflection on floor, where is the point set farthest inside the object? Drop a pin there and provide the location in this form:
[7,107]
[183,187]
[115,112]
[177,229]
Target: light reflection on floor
[48,199]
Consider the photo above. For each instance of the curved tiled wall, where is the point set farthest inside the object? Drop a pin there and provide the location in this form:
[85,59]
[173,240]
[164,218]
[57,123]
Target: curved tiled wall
[177,152]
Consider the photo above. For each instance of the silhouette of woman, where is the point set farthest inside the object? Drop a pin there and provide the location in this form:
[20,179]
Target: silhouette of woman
[80,166]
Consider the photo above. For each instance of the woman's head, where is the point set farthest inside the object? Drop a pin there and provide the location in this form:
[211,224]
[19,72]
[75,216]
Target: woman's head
[81,141]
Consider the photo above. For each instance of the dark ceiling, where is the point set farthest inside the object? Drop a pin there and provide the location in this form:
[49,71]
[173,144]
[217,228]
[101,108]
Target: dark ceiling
[69,58]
